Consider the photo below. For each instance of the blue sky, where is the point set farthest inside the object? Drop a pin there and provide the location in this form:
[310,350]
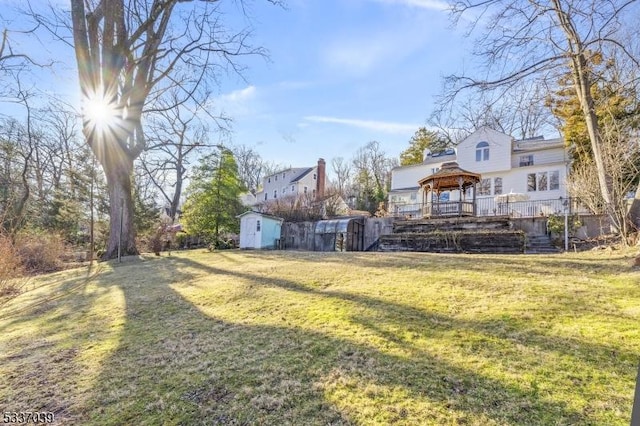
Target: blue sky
[340,73]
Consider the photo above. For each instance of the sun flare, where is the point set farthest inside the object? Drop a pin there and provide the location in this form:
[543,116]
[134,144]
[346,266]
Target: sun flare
[100,112]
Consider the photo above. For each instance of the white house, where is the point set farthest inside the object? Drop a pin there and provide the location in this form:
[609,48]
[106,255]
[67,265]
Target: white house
[291,182]
[535,169]
[259,231]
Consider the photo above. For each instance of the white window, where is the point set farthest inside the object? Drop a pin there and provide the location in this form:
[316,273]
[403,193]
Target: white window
[266,196]
[482,151]
[531,182]
[275,193]
[258,225]
[269,180]
[293,188]
[414,196]
[554,180]
[314,176]
[276,177]
[497,186]
[526,160]
[484,187]
[284,190]
[305,189]
[542,181]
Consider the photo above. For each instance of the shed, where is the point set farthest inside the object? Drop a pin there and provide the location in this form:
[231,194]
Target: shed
[345,234]
[259,230]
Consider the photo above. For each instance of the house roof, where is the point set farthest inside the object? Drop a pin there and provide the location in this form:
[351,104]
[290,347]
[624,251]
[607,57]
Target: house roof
[411,188]
[449,155]
[536,144]
[301,175]
[267,216]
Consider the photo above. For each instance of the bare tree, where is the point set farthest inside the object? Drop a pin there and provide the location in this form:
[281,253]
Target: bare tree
[343,172]
[540,40]
[18,148]
[128,54]
[372,170]
[520,112]
[174,136]
[251,167]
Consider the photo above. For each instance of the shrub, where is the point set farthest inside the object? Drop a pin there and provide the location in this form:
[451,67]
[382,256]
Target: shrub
[10,268]
[156,242]
[39,252]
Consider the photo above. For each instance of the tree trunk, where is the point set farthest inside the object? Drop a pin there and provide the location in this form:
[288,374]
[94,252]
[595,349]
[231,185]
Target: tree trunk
[121,227]
[634,211]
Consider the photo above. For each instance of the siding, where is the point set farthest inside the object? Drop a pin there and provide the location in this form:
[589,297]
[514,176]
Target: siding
[271,230]
[499,152]
[555,155]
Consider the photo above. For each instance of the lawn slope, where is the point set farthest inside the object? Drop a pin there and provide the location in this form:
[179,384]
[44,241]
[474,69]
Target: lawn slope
[315,338]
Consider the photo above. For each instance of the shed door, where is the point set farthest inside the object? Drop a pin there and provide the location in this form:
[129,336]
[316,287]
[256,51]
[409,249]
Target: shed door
[250,233]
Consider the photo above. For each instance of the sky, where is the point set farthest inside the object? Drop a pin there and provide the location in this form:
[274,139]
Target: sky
[339,74]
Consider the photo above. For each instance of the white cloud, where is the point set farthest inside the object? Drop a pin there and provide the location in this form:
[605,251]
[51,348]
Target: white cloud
[422,4]
[378,126]
[240,95]
[236,103]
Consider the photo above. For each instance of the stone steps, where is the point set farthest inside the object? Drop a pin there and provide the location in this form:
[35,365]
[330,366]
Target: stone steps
[539,244]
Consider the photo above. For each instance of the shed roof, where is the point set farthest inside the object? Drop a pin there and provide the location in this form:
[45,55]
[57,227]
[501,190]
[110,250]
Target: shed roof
[333,226]
[264,215]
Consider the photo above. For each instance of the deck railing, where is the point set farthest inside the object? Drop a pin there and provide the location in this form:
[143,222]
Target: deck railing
[449,208]
[488,207]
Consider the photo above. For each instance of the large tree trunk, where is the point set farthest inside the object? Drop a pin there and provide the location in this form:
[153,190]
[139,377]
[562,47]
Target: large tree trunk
[121,227]
[583,89]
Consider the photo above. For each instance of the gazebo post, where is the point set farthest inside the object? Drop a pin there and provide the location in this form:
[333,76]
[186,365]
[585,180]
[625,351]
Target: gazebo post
[475,213]
[460,186]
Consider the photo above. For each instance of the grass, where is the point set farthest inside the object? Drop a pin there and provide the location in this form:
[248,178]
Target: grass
[322,338]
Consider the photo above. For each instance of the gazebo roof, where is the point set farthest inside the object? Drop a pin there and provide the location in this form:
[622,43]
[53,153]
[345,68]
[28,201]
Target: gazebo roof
[450,176]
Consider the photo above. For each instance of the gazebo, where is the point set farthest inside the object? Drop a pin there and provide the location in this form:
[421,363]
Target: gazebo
[450,177]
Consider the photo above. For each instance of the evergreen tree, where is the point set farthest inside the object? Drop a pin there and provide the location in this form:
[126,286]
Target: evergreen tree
[423,139]
[213,197]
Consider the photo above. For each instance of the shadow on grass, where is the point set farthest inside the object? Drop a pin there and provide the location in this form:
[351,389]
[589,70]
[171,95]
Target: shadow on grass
[175,364]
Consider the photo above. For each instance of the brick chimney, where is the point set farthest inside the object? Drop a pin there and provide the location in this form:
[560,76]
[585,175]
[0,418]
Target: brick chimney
[321,178]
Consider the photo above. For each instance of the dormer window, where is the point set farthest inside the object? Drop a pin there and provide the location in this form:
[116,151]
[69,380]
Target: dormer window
[526,160]
[482,151]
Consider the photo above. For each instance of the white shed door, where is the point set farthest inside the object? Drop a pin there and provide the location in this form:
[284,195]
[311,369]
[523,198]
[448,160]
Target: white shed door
[250,233]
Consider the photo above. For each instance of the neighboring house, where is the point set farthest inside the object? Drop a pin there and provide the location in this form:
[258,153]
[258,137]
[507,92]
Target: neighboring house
[292,182]
[535,169]
[259,230]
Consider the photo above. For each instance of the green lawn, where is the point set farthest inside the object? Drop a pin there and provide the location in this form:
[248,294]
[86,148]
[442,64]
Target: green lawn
[312,338]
